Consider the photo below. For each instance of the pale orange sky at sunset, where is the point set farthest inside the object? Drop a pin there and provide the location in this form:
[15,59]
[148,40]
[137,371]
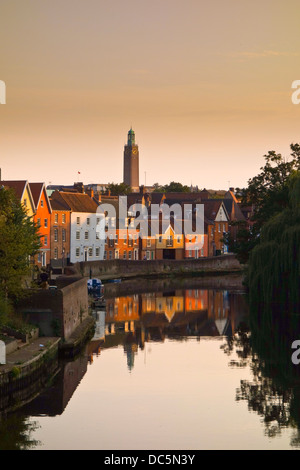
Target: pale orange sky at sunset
[206,87]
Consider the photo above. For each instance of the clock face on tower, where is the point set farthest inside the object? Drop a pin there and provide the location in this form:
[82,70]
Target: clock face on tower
[134,151]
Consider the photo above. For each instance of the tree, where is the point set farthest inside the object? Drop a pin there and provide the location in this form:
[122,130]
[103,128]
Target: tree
[19,240]
[120,189]
[268,194]
[173,187]
[274,263]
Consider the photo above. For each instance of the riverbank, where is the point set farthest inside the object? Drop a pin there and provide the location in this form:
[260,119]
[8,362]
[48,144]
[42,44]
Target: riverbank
[127,269]
[29,367]
[229,281]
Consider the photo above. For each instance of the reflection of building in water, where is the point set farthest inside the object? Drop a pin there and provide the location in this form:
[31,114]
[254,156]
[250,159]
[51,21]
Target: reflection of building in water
[132,320]
[100,325]
[55,398]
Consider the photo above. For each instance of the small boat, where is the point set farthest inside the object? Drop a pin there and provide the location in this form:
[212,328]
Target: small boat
[95,287]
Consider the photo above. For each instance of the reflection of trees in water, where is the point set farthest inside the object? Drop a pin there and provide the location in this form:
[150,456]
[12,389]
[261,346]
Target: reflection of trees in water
[274,391]
[15,432]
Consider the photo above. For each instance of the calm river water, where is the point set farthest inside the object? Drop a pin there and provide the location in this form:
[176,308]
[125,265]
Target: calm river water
[167,369]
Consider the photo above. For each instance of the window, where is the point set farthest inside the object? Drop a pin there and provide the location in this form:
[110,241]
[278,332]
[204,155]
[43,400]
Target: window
[97,235]
[148,243]
[55,253]
[110,254]
[77,252]
[178,239]
[116,254]
[38,222]
[105,255]
[78,220]
[25,202]
[46,223]
[63,235]
[42,203]
[129,254]
[111,241]
[45,240]
[125,255]
[77,235]
[148,254]
[56,218]
[88,220]
[90,252]
[130,241]
[86,235]
[160,238]
[170,241]
[55,235]
[63,218]
[219,227]
[117,239]
[97,251]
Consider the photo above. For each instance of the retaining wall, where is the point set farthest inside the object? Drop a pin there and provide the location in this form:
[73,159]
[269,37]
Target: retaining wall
[124,269]
[57,312]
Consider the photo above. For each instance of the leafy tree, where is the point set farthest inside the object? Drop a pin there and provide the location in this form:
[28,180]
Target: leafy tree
[158,188]
[268,194]
[173,187]
[19,240]
[274,263]
[119,189]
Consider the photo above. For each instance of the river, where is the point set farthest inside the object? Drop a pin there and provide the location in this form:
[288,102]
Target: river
[168,368]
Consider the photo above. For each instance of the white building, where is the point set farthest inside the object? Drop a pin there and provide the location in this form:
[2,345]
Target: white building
[86,244]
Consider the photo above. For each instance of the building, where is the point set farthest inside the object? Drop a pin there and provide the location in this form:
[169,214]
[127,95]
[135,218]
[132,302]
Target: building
[131,162]
[86,243]
[60,233]
[216,222]
[42,218]
[23,193]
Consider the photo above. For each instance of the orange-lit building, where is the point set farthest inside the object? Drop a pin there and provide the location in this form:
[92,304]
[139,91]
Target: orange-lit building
[42,218]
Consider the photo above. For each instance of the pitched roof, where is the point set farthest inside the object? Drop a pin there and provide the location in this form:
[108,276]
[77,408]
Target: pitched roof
[19,187]
[77,202]
[59,205]
[212,207]
[37,190]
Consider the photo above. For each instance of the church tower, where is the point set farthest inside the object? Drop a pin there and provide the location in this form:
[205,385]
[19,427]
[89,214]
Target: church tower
[131,162]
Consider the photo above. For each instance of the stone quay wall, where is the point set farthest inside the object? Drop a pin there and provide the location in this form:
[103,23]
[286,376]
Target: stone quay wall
[119,268]
[57,312]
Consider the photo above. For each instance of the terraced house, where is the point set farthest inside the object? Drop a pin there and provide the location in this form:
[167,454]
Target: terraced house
[42,218]
[86,244]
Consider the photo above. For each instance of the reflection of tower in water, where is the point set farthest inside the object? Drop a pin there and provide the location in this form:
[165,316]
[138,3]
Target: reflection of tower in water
[130,349]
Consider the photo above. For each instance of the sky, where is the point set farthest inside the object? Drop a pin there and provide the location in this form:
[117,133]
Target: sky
[206,86]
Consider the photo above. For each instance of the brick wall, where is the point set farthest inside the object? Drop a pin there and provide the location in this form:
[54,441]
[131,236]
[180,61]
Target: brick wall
[57,312]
